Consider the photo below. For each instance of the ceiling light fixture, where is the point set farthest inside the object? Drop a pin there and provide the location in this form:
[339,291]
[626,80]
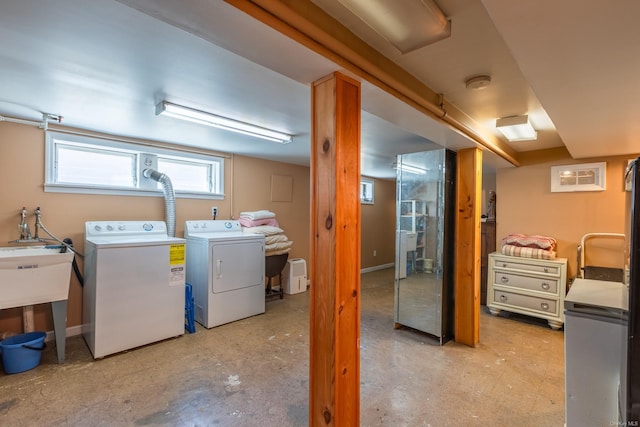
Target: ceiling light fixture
[196,116]
[414,24]
[516,128]
[409,168]
[478,82]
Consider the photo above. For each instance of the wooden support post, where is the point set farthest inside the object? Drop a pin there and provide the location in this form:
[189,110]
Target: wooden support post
[334,367]
[27,319]
[467,284]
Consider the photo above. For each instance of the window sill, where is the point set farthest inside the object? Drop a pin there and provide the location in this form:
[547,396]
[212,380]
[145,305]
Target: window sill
[75,189]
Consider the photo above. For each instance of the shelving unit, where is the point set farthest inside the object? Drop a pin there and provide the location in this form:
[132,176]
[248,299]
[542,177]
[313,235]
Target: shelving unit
[413,218]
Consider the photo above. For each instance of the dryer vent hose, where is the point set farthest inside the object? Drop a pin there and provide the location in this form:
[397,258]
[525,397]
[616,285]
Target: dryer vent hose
[169,198]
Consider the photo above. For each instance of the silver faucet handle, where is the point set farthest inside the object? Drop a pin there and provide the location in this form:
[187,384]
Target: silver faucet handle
[23,227]
[38,223]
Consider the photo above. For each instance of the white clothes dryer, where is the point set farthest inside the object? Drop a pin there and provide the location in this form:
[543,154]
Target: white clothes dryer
[134,288]
[225,267]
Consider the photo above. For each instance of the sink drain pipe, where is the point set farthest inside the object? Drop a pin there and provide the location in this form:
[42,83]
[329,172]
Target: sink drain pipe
[169,198]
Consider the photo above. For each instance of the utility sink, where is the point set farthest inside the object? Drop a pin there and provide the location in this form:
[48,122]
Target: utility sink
[33,275]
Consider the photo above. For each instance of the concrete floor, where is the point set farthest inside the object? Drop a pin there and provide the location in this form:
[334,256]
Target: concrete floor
[254,372]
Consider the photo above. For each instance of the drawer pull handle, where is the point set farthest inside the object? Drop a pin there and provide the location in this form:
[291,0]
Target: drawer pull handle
[503,298]
[546,270]
[504,264]
[545,286]
[544,305]
[504,279]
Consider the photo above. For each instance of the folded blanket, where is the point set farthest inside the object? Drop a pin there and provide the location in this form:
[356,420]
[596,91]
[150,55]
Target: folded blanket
[267,230]
[275,238]
[278,246]
[262,214]
[528,252]
[535,241]
[246,222]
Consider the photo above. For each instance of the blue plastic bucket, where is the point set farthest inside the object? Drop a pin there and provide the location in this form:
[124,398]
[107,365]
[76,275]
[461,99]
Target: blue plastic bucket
[22,352]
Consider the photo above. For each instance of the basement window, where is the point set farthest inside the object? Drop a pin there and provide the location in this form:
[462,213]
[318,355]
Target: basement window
[579,177]
[82,164]
[87,165]
[366,191]
[188,175]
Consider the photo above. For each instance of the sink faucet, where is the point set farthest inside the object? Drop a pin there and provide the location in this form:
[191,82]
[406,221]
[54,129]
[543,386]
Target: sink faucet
[38,223]
[25,233]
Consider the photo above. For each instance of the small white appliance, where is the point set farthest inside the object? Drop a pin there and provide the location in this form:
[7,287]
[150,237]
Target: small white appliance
[295,276]
[134,286]
[225,267]
[595,330]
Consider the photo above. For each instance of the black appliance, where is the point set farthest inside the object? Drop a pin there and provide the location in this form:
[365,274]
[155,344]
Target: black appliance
[630,381]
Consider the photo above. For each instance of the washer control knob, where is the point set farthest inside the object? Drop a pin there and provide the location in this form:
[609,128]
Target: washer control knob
[109,227]
[97,228]
[121,227]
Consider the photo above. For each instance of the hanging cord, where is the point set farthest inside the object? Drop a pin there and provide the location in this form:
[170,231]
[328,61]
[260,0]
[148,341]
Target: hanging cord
[62,242]
[68,244]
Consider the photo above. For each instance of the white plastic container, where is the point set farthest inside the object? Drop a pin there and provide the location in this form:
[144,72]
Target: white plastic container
[295,276]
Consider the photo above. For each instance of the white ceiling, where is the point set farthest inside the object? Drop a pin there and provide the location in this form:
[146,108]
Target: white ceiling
[581,59]
[103,66]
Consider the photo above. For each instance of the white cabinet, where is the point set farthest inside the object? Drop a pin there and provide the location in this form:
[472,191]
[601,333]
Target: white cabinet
[534,287]
[595,348]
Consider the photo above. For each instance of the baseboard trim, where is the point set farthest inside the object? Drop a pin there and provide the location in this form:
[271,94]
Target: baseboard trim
[376,268]
[71,331]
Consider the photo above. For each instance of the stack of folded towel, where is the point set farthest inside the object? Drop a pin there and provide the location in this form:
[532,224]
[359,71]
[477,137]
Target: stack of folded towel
[256,218]
[541,247]
[264,222]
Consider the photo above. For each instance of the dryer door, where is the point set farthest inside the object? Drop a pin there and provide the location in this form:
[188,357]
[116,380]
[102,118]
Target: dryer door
[236,265]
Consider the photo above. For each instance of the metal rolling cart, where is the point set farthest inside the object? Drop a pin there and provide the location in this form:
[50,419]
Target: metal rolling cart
[609,274]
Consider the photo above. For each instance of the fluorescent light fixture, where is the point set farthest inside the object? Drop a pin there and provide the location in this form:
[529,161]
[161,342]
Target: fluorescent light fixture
[516,128]
[196,116]
[409,168]
[408,24]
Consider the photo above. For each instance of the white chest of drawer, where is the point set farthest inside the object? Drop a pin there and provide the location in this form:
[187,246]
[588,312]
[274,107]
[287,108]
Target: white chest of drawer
[533,287]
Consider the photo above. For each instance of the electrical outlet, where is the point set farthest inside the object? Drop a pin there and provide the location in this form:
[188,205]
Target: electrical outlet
[214,211]
[375,252]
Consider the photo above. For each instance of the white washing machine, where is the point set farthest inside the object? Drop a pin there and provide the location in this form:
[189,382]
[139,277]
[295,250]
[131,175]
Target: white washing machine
[225,267]
[134,285]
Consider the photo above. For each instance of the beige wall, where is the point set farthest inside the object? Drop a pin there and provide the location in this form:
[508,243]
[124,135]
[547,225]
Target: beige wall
[247,187]
[251,191]
[378,226]
[525,204]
